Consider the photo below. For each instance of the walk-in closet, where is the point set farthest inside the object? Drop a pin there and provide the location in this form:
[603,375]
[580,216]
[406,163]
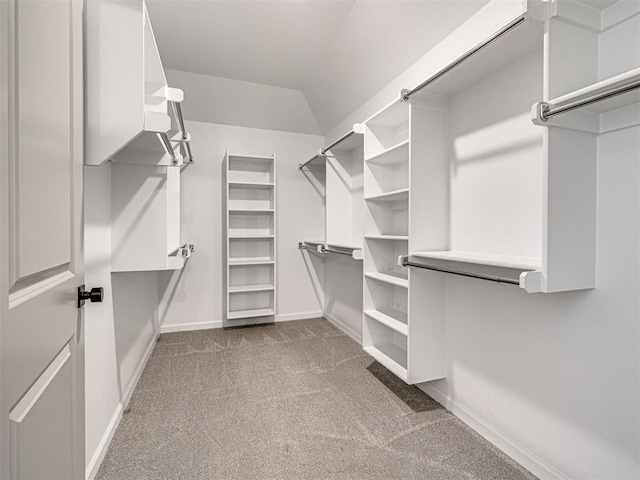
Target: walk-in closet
[311,239]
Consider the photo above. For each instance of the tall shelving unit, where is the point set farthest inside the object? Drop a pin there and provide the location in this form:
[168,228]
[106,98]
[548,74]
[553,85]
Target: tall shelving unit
[402,344]
[250,230]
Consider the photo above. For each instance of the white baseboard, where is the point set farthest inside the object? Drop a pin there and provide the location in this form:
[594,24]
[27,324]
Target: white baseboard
[348,330]
[298,316]
[103,446]
[525,458]
[188,327]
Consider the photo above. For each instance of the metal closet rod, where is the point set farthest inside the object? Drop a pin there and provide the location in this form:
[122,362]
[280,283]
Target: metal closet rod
[492,278]
[323,150]
[302,246]
[547,110]
[405,94]
[177,110]
[324,249]
[167,146]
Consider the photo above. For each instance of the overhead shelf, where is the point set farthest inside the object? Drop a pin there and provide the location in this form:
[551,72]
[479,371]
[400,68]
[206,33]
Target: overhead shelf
[505,261]
[128,118]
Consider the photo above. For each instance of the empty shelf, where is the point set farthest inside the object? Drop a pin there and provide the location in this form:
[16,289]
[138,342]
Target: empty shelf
[397,279]
[392,318]
[395,196]
[258,210]
[394,155]
[387,237]
[250,288]
[262,312]
[505,261]
[346,246]
[250,261]
[392,357]
[251,184]
[250,236]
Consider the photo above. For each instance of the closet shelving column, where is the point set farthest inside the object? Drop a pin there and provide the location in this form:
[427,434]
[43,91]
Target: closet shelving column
[250,225]
[386,231]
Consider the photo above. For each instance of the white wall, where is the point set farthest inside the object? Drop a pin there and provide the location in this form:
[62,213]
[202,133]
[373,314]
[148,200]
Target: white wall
[343,293]
[193,297]
[120,331]
[245,104]
[552,379]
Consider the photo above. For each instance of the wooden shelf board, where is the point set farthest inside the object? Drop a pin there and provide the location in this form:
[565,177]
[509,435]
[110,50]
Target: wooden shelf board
[391,156]
[347,246]
[313,242]
[249,157]
[251,288]
[250,236]
[522,40]
[252,210]
[394,196]
[392,318]
[393,278]
[261,312]
[392,357]
[251,184]
[387,237]
[250,261]
[505,261]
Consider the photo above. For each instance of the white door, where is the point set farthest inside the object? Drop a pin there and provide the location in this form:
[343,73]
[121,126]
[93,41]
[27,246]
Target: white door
[41,328]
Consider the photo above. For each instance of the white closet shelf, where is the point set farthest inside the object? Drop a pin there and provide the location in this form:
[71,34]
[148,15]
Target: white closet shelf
[250,236]
[505,261]
[387,237]
[394,155]
[251,210]
[401,195]
[629,78]
[263,312]
[313,242]
[393,278]
[251,288]
[392,357]
[392,318]
[346,246]
[251,184]
[234,262]
[525,38]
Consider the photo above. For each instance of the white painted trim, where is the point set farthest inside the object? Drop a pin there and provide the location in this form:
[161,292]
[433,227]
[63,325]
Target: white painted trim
[298,316]
[103,446]
[339,324]
[518,453]
[98,456]
[188,327]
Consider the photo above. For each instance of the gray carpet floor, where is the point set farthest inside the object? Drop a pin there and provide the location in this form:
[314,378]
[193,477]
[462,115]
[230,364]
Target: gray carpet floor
[294,400]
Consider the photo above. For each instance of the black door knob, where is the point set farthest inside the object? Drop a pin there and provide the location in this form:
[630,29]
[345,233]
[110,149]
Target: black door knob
[95,295]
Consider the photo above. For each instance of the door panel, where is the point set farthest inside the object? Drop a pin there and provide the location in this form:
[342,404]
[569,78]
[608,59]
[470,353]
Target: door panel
[39,423]
[41,161]
[42,338]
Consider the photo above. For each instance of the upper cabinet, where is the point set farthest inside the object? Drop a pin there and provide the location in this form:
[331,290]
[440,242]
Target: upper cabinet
[129,103]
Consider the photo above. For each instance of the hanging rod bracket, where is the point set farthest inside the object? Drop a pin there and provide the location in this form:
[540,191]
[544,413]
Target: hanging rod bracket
[404,94]
[543,109]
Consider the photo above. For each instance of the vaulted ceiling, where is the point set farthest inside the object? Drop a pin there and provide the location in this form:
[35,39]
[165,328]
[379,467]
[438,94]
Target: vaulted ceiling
[339,53]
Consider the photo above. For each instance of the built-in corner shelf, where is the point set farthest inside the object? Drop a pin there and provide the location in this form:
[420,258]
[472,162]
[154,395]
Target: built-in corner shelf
[250,230]
[408,347]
